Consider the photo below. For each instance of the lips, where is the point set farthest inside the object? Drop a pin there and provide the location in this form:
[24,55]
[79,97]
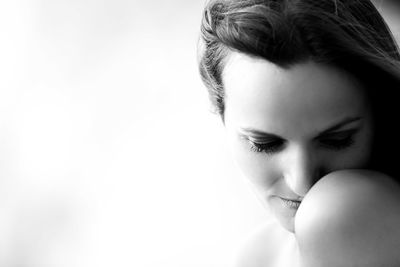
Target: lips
[285,207]
[290,203]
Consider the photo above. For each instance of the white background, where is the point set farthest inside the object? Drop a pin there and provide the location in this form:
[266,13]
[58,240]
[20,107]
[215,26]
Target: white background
[109,155]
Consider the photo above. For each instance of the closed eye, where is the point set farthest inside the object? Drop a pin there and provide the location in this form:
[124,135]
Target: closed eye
[338,140]
[266,147]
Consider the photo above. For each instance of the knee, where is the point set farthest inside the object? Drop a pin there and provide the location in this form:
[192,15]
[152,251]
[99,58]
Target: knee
[350,216]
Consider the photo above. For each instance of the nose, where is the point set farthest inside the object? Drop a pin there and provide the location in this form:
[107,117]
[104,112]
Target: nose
[303,170]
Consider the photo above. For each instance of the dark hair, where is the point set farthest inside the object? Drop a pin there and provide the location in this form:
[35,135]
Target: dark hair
[348,34]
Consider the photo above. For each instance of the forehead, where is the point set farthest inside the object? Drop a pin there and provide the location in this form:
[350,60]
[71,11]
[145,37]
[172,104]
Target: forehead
[301,99]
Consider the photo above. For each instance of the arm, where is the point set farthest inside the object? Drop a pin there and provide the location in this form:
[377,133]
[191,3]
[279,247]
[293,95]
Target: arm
[350,218]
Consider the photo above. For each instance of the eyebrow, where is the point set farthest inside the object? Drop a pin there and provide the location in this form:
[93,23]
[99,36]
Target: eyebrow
[332,128]
[340,125]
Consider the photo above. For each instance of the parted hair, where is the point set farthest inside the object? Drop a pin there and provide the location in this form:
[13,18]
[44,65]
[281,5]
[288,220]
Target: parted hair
[348,34]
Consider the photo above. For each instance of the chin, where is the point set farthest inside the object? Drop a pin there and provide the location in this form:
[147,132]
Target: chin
[287,223]
[284,214]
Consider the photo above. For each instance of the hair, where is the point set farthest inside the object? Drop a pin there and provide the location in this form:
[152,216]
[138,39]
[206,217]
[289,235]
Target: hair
[350,35]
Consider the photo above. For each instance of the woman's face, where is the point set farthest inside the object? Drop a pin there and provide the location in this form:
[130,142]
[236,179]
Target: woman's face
[289,127]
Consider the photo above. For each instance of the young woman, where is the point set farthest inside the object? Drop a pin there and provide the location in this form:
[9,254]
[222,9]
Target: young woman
[307,91]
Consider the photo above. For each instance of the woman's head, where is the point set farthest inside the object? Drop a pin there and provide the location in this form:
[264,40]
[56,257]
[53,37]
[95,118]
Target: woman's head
[281,74]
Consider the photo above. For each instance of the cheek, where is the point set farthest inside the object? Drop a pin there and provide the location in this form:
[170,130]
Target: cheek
[361,154]
[363,151]
[356,157]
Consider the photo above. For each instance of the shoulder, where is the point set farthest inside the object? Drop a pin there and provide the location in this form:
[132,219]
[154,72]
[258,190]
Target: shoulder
[264,246]
[351,216]
[355,179]
[349,191]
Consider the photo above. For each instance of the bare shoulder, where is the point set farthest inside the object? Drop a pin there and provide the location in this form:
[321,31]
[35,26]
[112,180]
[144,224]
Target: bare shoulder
[354,179]
[263,246]
[351,217]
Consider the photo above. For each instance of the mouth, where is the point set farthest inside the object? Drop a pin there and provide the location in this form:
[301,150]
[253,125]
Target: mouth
[291,203]
[285,209]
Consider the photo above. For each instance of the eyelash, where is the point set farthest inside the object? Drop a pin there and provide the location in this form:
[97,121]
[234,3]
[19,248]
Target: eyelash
[338,144]
[272,147]
[268,148]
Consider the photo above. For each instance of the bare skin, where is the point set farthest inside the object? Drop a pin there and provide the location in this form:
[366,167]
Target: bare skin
[269,245]
[349,218]
[303,137]
[287,128]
